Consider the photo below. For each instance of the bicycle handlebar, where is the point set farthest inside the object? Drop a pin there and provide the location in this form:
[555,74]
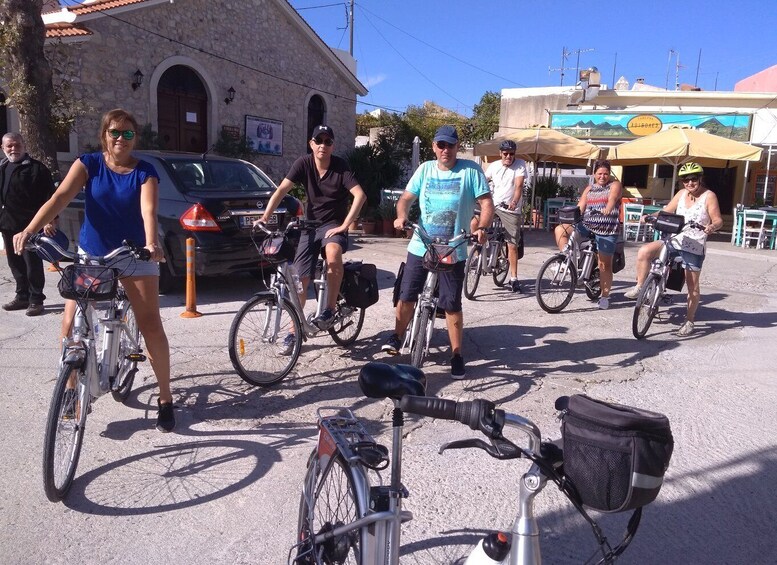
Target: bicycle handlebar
[650,219]
[294,223]
[427,240]
[37,241]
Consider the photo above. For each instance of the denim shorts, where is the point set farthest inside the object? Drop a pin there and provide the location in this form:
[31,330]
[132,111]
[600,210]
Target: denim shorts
[691,261]
[451,283]
[310,245]
[605,244]
[129,266]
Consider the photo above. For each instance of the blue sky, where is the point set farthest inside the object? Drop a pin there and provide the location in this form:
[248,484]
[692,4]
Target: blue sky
[453,51]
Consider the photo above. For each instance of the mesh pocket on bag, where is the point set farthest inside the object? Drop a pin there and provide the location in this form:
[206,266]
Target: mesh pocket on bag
[600,474]
[88,282]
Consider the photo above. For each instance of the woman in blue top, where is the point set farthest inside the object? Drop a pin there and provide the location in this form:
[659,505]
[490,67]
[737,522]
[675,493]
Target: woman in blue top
[122,194]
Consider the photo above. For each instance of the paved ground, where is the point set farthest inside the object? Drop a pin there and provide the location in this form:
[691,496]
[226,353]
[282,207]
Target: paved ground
[224,487]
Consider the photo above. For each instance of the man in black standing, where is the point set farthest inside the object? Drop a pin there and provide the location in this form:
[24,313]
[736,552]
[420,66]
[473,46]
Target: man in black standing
[25,185]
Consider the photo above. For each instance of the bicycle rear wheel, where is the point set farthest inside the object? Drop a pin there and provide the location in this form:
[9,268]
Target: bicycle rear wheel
[64,433]
[348,323]
[127,367]
[647,306]
[502,265]
[422,336]
[556,283]
[258,346]
[472,269]
[329,499]
[593,288]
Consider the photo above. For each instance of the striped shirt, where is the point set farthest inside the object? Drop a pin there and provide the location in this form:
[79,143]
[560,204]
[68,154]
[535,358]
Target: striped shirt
[601,224]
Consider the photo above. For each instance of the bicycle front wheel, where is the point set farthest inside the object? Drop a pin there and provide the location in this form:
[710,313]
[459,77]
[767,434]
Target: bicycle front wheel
[329,499]
[593,288]
[422,336]
[647,306]
[348,323]
[64,433]
[129,345]
[556,283]
[265,340]
[502,265]
[472,269]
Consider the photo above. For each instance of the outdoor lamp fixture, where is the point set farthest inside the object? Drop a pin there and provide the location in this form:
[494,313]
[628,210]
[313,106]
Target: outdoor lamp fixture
[137,80]
[230,95]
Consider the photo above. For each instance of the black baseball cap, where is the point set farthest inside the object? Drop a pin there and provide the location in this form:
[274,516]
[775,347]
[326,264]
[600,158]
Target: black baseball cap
[318,130]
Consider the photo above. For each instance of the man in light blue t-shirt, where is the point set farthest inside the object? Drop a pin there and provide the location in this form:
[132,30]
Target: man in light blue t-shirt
[447,190]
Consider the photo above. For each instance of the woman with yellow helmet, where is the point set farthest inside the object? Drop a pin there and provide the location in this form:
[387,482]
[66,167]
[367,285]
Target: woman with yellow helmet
[695,202]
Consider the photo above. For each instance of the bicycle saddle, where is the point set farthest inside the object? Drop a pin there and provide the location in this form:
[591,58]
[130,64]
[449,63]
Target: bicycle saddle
[381,380]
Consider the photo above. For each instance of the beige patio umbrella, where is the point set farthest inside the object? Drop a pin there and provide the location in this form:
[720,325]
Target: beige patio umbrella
[542,144]
[676,146]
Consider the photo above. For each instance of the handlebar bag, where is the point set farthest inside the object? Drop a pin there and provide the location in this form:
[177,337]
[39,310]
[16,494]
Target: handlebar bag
[669,223]
[614,455]
[360,284]
[440,258]
[279,249]
[569,215]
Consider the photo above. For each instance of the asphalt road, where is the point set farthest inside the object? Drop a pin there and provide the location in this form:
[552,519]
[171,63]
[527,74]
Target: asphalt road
[224,487]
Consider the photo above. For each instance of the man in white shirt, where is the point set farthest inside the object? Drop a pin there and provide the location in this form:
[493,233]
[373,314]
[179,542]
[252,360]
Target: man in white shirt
[505,178]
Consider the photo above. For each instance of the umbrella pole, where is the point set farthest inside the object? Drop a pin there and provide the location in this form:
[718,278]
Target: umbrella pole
[768,167]
[533,188]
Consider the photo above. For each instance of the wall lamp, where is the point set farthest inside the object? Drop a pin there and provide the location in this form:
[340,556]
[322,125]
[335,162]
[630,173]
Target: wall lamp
[230,95]
[137,80]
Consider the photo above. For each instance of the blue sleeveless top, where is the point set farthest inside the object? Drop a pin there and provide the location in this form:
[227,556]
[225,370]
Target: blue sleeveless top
[112,205]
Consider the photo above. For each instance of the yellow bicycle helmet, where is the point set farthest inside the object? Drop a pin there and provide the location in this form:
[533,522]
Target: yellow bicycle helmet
[691,169]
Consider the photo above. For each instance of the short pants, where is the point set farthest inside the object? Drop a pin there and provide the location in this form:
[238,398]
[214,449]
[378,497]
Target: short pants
[691,261]
[512,225]
[450,284]
[310,245]
[605,244]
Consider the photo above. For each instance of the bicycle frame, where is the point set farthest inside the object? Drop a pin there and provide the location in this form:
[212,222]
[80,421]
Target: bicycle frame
[491,248]
[426,301]
[282,286]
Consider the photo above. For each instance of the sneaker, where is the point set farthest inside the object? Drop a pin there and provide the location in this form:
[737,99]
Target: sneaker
[515,286]
[165,419]
[457,367]
[633,292]
[287,345]
[685,329]
[324,320]
[604,303]
[16,304]
[34,310]
[392,345]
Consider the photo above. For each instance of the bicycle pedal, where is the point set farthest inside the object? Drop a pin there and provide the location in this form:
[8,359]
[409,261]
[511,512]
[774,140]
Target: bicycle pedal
[137,357]
[405,516]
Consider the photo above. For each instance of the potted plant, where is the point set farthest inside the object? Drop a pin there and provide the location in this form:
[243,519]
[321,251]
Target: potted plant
[369,221]
[388,213]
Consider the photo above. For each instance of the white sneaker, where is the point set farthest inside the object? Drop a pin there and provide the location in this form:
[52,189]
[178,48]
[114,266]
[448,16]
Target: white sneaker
[604,303]
[685,329]
[633,292]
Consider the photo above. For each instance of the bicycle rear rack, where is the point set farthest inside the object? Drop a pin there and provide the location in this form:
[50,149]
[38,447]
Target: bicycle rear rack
[352,439]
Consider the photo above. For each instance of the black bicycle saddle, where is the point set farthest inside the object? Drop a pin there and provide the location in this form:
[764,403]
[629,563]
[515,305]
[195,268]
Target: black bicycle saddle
[381,380]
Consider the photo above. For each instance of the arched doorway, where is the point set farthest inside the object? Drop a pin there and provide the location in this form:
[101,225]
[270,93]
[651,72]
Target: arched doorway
[182,103]
[316,116]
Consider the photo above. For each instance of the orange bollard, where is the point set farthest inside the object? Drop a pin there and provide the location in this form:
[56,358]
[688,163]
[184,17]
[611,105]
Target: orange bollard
[191,292]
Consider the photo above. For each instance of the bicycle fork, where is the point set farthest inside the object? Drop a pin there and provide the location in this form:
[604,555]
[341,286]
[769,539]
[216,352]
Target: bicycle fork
[525,546]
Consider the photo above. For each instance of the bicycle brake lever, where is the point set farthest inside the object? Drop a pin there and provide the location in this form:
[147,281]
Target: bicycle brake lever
[465,444]
[498,449]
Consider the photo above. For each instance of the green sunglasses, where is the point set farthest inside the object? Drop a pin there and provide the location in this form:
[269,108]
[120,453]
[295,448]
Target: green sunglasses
[127,134]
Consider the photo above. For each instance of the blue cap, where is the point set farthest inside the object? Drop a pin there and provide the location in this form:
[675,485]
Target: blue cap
[448,134]
[48,253]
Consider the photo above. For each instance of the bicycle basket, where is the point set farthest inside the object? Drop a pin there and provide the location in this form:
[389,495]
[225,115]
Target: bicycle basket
[614,455]
[88,282]
[569,215]
[280,249]
[669,223]
[440,258]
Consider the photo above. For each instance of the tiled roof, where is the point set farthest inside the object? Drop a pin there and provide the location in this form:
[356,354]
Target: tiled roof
[66,30]
[101,6]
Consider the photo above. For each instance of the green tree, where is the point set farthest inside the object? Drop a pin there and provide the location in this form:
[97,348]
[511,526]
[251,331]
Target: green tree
[485,118]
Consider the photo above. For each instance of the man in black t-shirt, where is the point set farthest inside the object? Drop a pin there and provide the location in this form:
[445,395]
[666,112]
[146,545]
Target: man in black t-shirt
[328,185]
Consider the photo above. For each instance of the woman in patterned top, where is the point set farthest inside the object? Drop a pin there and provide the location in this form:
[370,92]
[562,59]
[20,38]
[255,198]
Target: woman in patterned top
[600,205]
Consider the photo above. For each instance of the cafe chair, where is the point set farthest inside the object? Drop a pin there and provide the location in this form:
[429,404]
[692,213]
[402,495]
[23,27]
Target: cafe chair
[632,214]
[753,228]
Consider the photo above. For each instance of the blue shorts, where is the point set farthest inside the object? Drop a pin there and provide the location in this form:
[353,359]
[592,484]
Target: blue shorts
[310,245]
[605,244]
[691,261]
[450,284]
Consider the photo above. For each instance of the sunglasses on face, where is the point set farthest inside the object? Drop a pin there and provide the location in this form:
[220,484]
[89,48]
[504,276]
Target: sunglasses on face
[127,134]
[443,145]
[328,141]
[690,179]
[507,154]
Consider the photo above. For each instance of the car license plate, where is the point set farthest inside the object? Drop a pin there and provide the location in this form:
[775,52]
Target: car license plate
[248,221]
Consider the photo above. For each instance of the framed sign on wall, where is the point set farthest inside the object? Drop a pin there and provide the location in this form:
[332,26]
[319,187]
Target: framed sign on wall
[265,135]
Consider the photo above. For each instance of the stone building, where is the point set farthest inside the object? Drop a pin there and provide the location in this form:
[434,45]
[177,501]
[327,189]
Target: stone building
[196,70]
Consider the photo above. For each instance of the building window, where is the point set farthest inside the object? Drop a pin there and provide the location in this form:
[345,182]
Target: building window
[635,176]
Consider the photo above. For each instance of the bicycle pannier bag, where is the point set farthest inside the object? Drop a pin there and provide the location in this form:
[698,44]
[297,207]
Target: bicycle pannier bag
[619,258]
[669,223]
[520,246]
[360,284]
[440,258]
[569,215]
[676,277]
[398,284]
[88,282]
[614,455]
